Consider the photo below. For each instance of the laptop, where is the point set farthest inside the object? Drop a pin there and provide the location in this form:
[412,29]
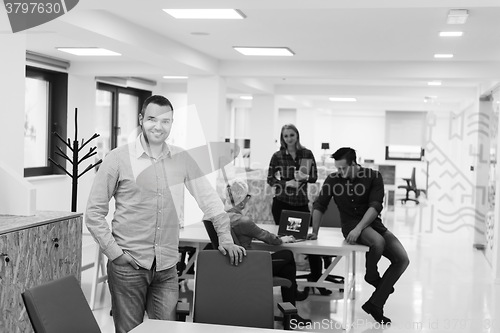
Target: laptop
[293,223]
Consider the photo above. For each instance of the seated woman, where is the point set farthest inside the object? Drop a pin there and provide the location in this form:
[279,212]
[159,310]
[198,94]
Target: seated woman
[246,230]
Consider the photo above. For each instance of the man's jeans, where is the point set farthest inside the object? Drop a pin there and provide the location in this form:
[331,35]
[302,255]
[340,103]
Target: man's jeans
[134,292]
[389,246]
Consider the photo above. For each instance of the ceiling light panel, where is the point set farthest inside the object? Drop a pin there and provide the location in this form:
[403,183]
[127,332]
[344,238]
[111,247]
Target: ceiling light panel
[175,77]
[434,83]
[342,99]
[443,55]
[88,51]
[264,51]
[206,14]
[451,33]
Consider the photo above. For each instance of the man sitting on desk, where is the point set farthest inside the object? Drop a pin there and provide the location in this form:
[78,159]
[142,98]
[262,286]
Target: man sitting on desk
[246,230]
[359,193]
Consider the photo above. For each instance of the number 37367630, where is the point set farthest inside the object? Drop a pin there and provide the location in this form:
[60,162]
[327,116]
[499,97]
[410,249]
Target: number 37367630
[33,7]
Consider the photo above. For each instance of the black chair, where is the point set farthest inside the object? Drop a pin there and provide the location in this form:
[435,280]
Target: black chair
[214,239]
[59,307]
[411,186]
[241,295]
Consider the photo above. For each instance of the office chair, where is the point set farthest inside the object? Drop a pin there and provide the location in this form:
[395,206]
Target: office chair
[59,307]
[241,295]
[214,239]
[411,186]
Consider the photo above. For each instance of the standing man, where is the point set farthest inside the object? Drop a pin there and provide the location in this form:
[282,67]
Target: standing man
[359,193]
[147,179]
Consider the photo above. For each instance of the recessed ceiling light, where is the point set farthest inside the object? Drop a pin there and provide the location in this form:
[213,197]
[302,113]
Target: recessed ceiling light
[221,14]
[457,16]
[451,33]
[343,99]
[88,51]
[443,55]
[434,83]
[430,99]
[200,33]
[264,51]
[247,98]
[175,77]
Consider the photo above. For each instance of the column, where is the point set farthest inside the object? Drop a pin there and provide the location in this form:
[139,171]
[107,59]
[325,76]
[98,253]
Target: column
[204,123]
[208,96]
[12,90]
[264,131]
[482,173]
[494,224]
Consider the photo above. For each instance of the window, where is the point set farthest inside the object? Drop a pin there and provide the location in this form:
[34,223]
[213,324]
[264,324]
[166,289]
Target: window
[405,135]
[45,112]
[405,153]
[117,115]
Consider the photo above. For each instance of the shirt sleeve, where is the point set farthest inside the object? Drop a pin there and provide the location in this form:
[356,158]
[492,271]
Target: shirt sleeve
[313,172]
[376,197]
[102,191]
[250,229]
[271,174]
[323,200]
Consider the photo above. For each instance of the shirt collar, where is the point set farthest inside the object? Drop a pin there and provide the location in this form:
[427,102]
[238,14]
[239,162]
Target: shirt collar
[139,150]
[298,152]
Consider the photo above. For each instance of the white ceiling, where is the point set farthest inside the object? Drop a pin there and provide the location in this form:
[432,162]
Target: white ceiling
[379,51]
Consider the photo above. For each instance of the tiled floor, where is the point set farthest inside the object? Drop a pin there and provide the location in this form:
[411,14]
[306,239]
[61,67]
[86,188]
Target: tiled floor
[447,287]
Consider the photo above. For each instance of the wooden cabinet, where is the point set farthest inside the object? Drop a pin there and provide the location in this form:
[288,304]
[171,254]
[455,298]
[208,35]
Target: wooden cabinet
[33,251]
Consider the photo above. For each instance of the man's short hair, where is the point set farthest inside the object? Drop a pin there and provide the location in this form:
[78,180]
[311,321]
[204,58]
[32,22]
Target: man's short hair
[158,100]
[346,153]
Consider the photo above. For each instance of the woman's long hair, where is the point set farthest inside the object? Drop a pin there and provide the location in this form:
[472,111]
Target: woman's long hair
[292,127]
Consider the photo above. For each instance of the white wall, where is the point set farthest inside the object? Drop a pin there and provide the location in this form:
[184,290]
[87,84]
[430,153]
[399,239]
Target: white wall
[363,131]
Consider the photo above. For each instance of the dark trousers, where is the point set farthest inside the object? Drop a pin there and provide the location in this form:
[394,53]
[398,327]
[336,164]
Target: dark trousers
[387,245]
[314,260]
[284,266]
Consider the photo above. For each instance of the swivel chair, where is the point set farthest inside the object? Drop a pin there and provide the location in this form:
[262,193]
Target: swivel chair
[411,186]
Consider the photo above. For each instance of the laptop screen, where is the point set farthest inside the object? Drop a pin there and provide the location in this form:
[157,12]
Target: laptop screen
[293,223]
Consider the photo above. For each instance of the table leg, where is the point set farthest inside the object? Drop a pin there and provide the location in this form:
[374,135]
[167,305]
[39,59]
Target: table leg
[353,275]
[347,290]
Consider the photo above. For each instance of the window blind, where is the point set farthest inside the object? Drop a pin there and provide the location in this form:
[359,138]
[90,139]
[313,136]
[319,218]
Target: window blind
[405,128]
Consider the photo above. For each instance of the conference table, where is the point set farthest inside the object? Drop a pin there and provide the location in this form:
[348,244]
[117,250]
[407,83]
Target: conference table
[330,242]
[162,326]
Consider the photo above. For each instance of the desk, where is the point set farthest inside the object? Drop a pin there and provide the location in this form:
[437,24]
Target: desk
[153,326]
[330,242]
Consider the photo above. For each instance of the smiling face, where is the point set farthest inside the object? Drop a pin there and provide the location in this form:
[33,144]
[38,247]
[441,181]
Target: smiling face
[156,123]
[289,137]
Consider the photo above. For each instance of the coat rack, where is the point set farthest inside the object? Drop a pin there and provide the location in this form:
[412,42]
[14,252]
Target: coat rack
[75,161]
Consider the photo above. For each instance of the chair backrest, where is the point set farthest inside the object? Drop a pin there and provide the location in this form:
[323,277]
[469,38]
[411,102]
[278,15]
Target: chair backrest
[413,181]
[240,295]
[59,307]
[212,234]
[331,218]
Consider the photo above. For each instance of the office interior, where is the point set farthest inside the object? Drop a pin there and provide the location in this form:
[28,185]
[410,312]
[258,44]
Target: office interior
[439,116]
